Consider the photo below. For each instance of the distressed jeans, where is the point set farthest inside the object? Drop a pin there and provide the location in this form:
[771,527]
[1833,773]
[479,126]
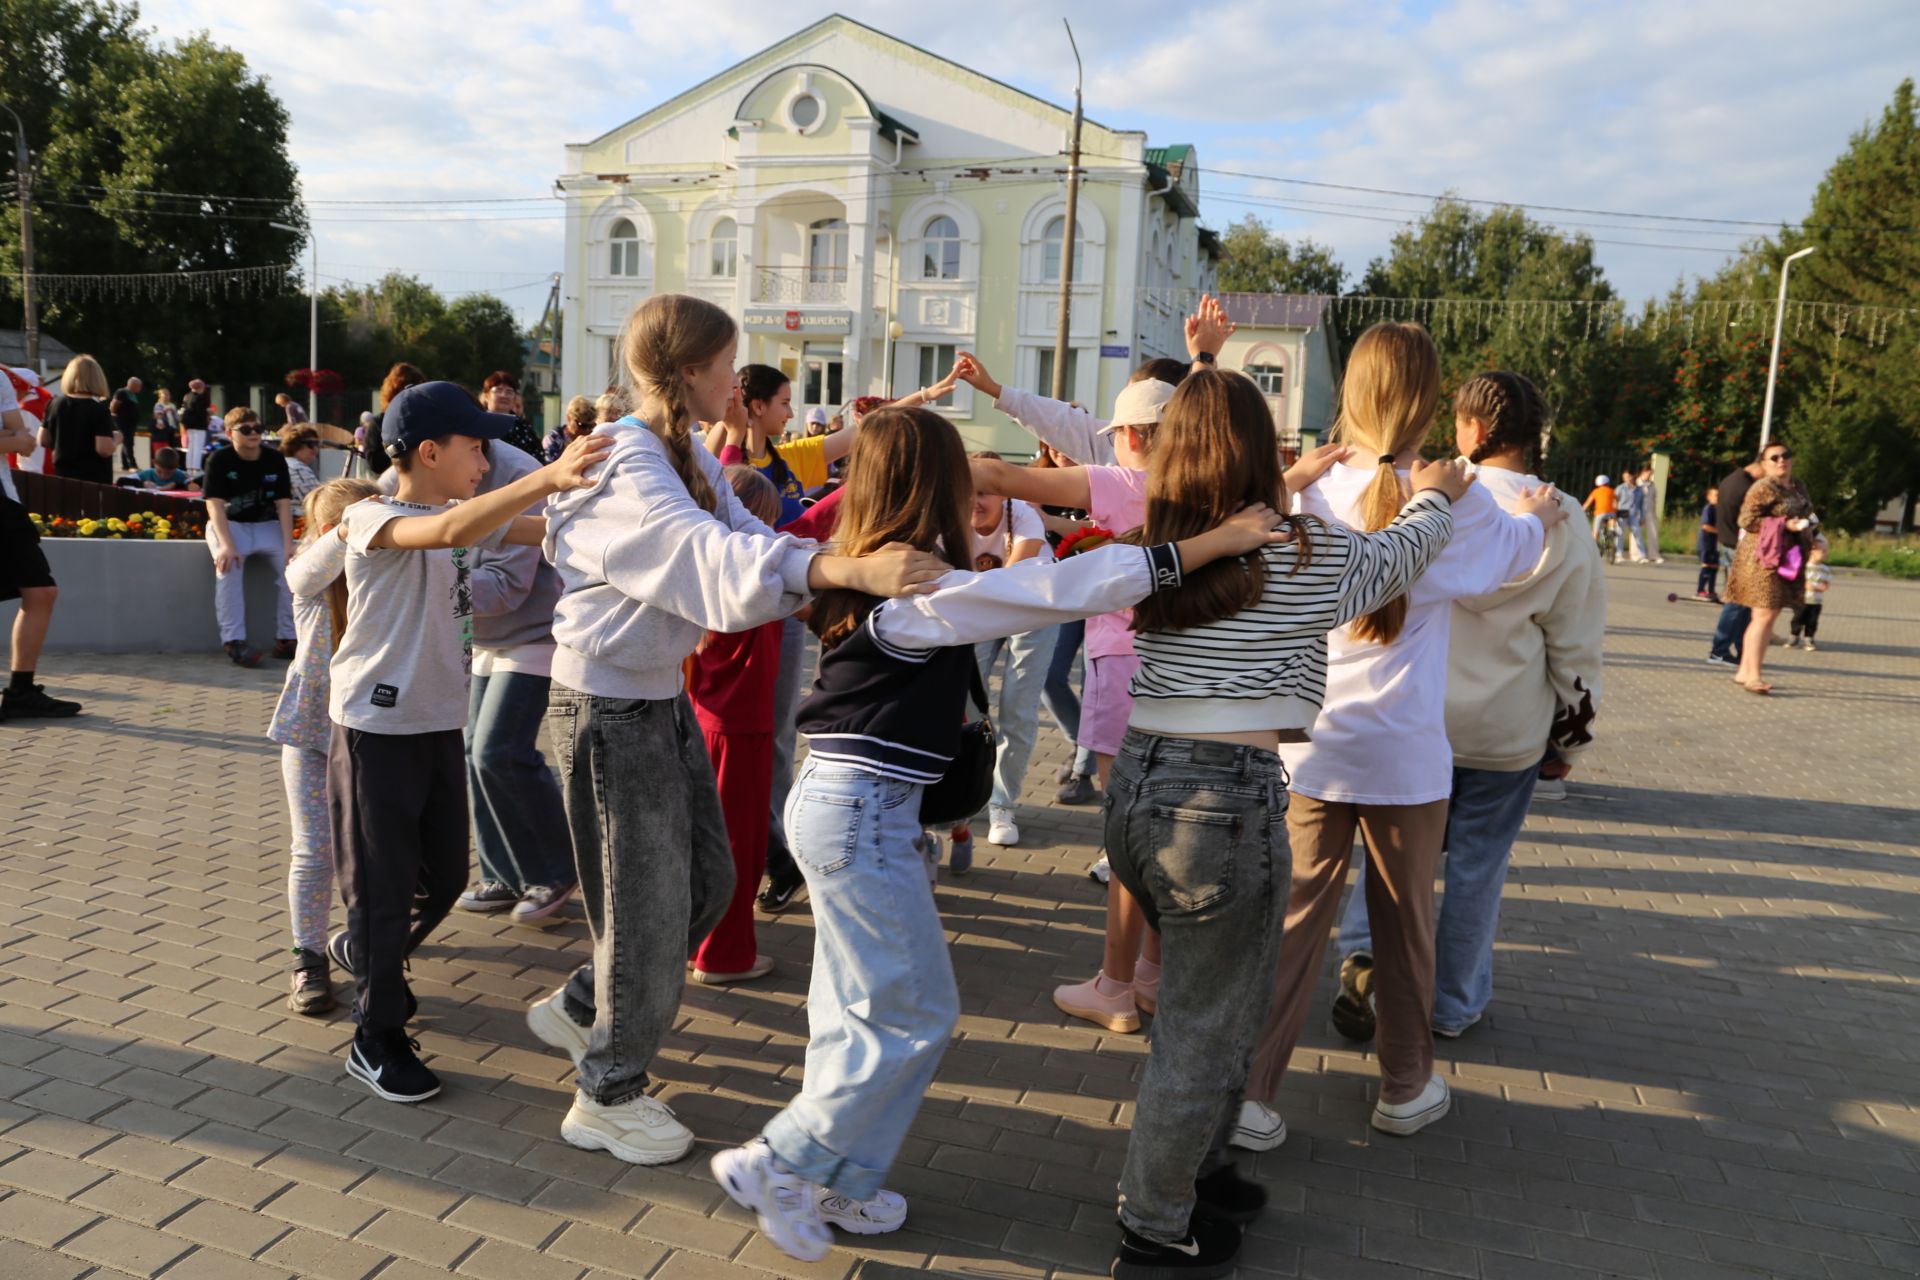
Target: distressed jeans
[519,824]
[1484,819]
[1197,832]
[882,1004]
[1017,719]
[655,870]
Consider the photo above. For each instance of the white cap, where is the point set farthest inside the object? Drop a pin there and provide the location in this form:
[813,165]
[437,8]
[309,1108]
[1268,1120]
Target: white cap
[1140,404]
[1600,480]
[817,415]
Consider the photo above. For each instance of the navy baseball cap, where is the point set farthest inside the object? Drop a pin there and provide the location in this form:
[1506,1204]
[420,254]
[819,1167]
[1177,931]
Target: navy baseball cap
[435,410]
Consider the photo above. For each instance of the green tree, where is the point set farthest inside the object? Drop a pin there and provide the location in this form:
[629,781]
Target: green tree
[366,328]
[1256,259]
[111,115]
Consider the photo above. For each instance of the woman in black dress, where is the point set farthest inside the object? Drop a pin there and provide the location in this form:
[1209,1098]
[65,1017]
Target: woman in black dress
[79,426]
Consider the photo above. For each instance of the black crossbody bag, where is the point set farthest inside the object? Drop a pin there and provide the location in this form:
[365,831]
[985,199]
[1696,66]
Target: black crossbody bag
[967,785]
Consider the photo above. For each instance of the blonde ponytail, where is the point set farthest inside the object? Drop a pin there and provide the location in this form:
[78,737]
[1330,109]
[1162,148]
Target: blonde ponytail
[1387,402]
[666,335]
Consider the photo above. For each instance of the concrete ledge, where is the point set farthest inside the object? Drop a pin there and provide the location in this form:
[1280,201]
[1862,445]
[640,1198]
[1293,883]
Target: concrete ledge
[142,597]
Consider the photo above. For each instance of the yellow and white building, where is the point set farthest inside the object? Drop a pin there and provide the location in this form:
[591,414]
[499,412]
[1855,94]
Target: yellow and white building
[866,209]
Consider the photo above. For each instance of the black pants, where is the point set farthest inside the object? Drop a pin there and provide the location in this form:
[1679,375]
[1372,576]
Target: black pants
[1806,619]
[399,808]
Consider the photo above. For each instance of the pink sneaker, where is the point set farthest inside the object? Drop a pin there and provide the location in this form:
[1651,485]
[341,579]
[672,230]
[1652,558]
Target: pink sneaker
[1102,1001]
[1146,986]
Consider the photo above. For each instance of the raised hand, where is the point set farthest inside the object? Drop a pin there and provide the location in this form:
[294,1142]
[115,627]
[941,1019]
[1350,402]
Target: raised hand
[1208,328]
[1450,477]
[968,369]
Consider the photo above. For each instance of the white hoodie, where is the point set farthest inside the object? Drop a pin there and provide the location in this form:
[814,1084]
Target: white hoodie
[1525,663]
[1381,737]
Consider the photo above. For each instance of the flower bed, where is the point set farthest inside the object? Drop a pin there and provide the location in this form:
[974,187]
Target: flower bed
[145,525]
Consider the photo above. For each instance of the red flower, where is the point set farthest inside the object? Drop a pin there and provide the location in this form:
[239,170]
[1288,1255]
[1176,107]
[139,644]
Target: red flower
[1090,538]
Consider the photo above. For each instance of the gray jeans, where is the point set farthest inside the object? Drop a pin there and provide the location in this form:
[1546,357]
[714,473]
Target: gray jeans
[1197,832]
[655,870]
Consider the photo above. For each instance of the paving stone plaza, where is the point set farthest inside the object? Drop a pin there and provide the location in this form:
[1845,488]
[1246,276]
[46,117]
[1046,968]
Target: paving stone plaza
[1699,1062]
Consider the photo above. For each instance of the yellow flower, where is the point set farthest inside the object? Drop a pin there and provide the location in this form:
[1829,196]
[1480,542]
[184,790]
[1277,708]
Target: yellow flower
[160,535]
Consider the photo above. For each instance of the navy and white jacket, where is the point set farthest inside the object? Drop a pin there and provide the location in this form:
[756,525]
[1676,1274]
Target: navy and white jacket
[891,698]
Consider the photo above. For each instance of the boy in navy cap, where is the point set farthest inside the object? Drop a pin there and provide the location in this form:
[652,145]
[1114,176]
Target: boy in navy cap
[396,768]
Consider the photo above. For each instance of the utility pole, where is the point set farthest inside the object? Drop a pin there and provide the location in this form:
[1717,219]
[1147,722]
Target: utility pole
[313,312]
[23,179]
[1773,362]
[1070,233]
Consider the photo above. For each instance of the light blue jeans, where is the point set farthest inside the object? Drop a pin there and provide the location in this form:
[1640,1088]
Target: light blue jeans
[1488,809]
[519,823]
[883,1003]
[1058,695]
[1016,721]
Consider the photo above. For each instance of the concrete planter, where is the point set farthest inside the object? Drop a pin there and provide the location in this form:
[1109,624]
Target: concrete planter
[143,597]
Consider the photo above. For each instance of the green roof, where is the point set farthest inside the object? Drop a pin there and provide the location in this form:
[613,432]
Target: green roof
[1167,167]
[1170,157]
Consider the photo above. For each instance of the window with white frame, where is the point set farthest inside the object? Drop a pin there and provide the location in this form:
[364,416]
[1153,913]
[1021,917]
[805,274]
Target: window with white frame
[1050,248]
[1270,377]
[935,362]
[1043,380]
[624,243]
[940,250]
[723,250]
[827,251]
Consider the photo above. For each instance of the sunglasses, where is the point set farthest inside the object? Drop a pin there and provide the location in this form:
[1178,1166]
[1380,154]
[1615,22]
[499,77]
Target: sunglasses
[1785,455]
[249,431]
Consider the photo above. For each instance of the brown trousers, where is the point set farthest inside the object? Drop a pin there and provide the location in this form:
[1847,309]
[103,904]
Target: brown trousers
[1403,853]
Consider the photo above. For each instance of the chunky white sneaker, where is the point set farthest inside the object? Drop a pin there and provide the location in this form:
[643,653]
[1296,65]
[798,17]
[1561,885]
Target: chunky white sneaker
[786,1205]
[641,1130]
[1001,828]
[1260,1128]
[1404,1118]
[548,1020]
[887,1211]
[1101,871]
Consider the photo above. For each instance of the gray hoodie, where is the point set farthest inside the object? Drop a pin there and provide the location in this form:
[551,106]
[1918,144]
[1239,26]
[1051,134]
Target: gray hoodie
[644,571]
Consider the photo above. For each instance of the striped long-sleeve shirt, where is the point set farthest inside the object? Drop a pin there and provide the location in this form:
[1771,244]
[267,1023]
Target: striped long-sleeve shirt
[1266,666]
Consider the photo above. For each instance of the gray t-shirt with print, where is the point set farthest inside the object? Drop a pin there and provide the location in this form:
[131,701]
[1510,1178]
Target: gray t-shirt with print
[402,665]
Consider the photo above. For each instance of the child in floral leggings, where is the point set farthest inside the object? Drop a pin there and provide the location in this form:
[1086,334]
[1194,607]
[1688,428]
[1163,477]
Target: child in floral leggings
[302,728]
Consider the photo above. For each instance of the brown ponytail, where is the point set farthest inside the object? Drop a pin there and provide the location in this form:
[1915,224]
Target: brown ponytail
[666,335]
[1387,403]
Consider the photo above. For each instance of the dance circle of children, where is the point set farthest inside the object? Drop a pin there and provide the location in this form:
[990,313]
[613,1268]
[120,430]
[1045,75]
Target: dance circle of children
[1267,672]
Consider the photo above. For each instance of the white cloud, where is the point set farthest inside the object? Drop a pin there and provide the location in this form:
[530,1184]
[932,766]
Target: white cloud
[1719,108]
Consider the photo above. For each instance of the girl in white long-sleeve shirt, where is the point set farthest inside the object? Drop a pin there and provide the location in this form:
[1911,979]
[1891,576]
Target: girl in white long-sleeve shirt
[1379,758]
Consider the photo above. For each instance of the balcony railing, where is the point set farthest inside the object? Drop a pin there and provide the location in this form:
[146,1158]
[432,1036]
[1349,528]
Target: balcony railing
[800,284]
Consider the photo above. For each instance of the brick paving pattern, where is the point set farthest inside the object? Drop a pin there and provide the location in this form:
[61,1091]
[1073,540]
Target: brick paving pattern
[1699,1061]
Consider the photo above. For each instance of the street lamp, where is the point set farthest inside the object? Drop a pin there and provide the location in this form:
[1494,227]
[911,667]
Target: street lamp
[313,314]
[1773,365]
[24,178]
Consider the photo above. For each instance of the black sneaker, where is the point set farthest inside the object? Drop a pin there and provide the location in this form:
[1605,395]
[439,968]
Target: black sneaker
[22,704]
[488,896]
[388,1063]
[1225,1195]
[312,993]
[242,655]
[779,894]
[1208,1251]
[1079,789]
[1352,1012]
[285,649]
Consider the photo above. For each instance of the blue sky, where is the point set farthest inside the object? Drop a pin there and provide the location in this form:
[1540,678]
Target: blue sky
[1727,109]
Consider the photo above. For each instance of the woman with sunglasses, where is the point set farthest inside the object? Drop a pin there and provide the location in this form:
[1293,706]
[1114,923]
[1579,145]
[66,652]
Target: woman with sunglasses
[1776,523]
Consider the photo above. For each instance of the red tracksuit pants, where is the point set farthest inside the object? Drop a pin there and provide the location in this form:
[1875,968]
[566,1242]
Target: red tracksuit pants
[743,765]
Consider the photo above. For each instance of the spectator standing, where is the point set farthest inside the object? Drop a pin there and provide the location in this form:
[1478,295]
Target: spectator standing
[301,448]
[25,575]
[1734,616]
[249,513]
[165,432]
[1631,530]
[295,415]
[78,427]
[500,393]
[580,420]
[196,408]
[1650,515]
[126,420]
[1768,575]
[1707,542]
[401,376]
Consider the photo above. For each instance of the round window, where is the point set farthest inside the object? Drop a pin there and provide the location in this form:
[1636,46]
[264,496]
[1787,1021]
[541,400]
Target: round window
[804,111]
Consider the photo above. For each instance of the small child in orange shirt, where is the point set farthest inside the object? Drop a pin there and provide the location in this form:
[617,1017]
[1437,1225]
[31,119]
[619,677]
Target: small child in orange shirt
[1601,502]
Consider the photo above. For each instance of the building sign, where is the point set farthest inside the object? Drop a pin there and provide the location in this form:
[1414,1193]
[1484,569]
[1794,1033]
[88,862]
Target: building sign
[1115,353]
[780,320]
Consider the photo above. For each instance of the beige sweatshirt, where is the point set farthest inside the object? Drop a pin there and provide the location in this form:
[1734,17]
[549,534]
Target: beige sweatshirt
[1524,665]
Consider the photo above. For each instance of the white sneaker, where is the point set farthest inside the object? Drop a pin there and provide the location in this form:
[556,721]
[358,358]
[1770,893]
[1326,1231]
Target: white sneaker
[887,1211]
[1002,829]
[1810,646]
[1550,789]
[1261,1128]
[639,1131]
[548,1020]
[786,1205]
[1101,870]
[1404,1118]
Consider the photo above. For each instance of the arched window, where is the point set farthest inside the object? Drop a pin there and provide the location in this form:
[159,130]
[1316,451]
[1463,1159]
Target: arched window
[625,244]
[1050,252]
[940,259]
[827,251]
[723,250]
[1270,378]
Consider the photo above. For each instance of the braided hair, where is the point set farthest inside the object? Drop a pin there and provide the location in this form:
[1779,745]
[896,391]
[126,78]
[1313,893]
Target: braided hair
[667,334]
[1514,411]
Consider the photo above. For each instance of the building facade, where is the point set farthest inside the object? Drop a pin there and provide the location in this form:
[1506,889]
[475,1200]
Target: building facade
[866,210]
[1281,341]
